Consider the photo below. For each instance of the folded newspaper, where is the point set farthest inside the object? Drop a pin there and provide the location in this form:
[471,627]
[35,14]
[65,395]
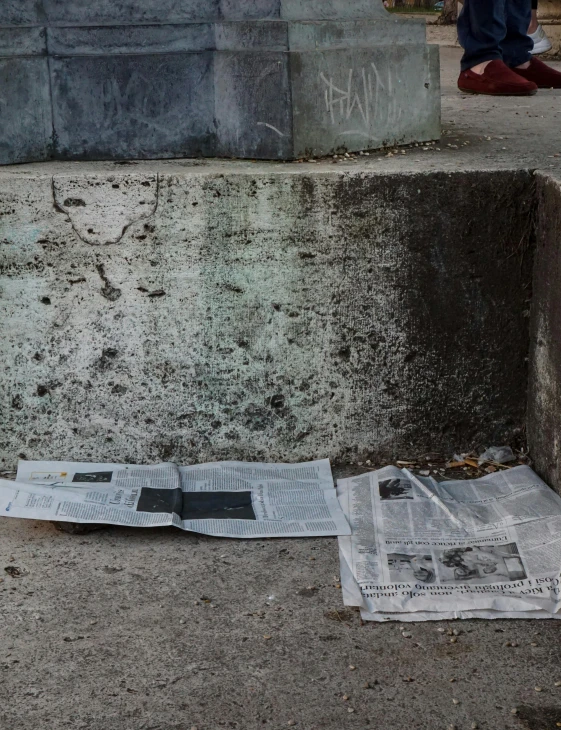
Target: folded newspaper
[226,499]
[422,550]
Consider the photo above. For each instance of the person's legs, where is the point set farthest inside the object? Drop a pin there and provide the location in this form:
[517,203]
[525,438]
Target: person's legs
[532,28]
[481,29]
[541,42]
[516,46]
[498,50]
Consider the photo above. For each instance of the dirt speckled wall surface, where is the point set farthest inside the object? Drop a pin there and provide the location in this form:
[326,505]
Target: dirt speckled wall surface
[273,316]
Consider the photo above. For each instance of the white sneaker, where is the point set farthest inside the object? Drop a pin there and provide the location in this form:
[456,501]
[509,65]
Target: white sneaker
[541,41]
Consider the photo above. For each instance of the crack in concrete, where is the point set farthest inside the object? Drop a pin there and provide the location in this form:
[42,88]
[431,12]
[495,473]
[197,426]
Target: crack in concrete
[97,239]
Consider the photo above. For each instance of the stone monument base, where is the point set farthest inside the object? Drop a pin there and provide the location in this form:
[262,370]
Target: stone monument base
[308,81]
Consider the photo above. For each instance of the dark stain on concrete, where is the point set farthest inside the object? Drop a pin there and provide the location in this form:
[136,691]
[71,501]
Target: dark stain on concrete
[110,292]
[459,249]
[17,402]
[277,401]
[539,718]
[108,355]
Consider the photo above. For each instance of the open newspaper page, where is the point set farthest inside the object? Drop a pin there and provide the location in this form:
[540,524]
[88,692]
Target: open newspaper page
[230,499]
[483,548]
[115,494]
[353,597]
[238,499]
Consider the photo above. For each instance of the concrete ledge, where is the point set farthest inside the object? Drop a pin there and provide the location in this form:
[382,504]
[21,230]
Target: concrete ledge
[264,315]
[544,403]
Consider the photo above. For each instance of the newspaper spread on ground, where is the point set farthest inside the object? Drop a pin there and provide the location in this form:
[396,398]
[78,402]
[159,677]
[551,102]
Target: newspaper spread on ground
[226,499]
[422,550]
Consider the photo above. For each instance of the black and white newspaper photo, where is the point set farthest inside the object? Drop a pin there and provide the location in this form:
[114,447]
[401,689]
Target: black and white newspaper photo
[228,499]
[422,549]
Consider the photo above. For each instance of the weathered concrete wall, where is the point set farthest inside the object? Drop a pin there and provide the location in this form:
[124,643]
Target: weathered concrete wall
[278,316]
[544,393]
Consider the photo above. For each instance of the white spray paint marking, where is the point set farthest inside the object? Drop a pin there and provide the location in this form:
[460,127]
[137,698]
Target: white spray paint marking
[270,126]
[358,97]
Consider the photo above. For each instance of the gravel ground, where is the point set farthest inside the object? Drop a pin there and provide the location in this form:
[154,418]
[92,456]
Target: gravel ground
[138,629]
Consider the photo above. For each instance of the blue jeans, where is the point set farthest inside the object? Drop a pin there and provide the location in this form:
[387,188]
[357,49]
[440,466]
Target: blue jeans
[495,29]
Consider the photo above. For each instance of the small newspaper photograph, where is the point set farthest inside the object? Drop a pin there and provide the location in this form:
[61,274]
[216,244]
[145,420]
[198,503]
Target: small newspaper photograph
[424,550]
[224,499]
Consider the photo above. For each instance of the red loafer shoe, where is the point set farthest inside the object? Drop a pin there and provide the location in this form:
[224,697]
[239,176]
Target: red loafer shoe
[497,80]
[541,74]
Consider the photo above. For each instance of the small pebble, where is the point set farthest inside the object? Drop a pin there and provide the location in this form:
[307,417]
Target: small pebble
[406,634]
[455,701]
[366,685]
[533,643]
[454,639]
[538,689]
[514,711]
[346,697]
[350,709]
[352,667]
[290,723]
[474,726]
[452,727]
[441,631]
[558,684]
[456,632]
[181,620]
